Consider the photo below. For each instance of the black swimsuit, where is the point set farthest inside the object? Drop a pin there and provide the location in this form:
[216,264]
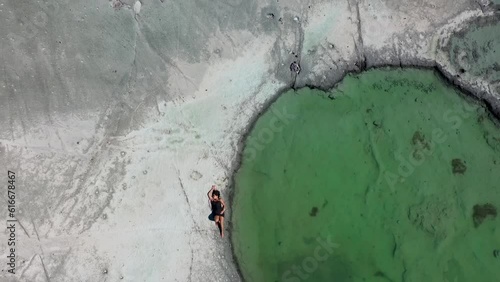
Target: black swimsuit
[217,208]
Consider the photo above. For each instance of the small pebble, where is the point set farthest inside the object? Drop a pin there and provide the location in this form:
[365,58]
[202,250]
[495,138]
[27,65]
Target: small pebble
[145,172]
[137,7]
[105,271]
[123,153]
[296,19]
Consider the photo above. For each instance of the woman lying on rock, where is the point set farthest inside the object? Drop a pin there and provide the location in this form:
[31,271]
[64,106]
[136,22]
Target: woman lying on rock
[218,208]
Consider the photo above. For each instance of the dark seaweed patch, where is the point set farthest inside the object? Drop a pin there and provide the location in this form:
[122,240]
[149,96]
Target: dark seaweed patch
[314,211]
[458,166]
[481,212]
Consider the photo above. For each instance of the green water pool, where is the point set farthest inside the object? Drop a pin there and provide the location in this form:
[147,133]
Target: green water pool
[394,175]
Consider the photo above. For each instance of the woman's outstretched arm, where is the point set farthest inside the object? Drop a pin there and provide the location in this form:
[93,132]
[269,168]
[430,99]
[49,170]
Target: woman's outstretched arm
[209,194]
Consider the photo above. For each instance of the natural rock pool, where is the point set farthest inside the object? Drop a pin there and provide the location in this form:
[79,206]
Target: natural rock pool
[391,176]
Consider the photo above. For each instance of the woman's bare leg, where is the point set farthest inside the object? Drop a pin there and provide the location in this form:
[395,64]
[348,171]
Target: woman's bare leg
[221,221]
[218,222]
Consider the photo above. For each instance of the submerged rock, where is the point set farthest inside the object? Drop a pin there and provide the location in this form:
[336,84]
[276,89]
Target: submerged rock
[458,166]
[314,211]
[481,212]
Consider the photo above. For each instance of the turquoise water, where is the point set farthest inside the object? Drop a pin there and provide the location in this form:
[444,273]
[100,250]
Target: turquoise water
[391,176]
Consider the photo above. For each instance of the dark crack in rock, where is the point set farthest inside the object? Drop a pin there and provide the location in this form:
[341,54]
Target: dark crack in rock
[295,67]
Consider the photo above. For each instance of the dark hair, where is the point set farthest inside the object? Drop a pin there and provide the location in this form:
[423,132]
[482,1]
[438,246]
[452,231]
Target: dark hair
[216,193]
